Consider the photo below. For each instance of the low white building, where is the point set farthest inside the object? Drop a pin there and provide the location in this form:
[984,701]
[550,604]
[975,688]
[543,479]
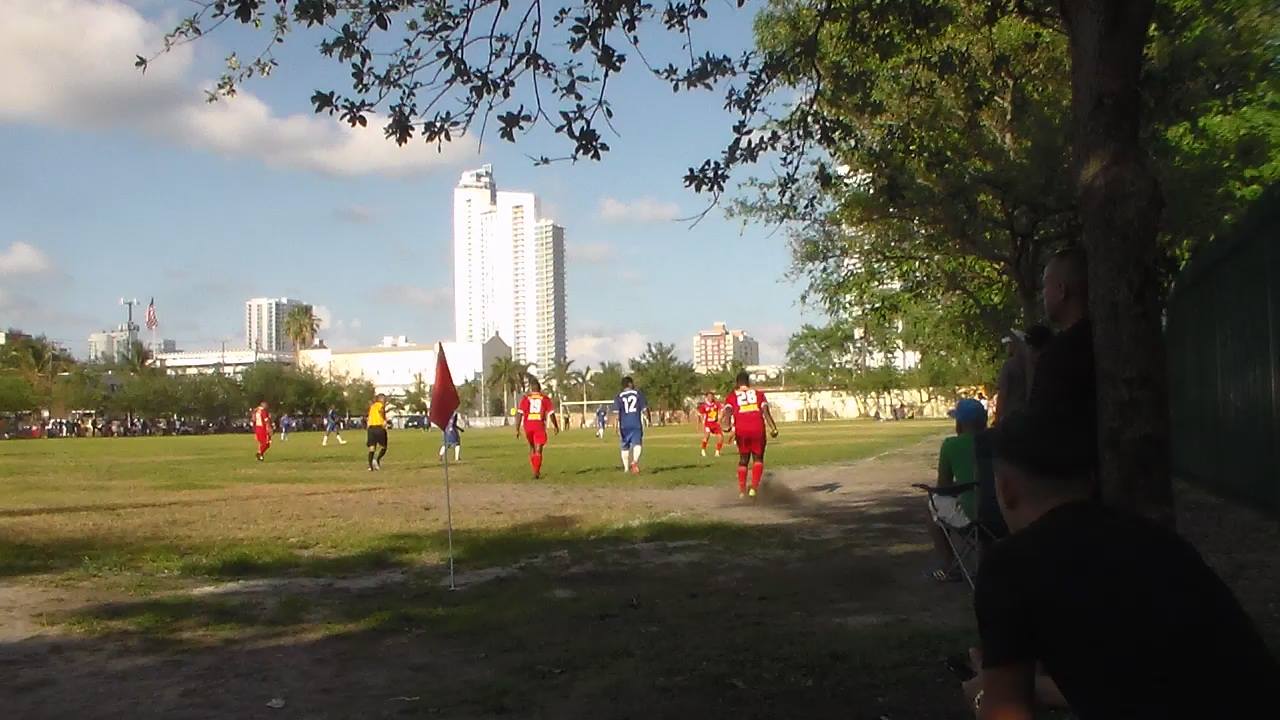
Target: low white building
[232,361]
[395,366]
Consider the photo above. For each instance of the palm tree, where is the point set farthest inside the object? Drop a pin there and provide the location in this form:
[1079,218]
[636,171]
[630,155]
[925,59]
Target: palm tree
[561,378]
[301,326]
[37,360]
[607,381]
[136,363]
[508,376]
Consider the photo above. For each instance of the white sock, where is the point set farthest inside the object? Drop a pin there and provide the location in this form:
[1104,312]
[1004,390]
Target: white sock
[626,459]
[635,454]
[457,453]
[442,451]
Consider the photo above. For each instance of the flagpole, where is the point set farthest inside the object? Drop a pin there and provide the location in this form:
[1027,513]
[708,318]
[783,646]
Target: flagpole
[448,504]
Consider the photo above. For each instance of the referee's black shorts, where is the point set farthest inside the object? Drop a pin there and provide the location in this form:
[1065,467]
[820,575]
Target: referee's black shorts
[377,435]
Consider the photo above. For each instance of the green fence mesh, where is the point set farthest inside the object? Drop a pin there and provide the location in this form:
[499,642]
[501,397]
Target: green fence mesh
[1223,337]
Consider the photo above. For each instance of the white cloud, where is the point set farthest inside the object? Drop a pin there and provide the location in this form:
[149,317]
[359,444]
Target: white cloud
[773,339]
[591,253]
[69,63]
[323,314]
[640,210]
[593,349]
[426,298]
[23,259]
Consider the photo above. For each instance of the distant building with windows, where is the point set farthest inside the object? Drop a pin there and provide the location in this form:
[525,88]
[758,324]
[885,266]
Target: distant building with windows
[397,365]
[719,347]
[264,323]
[112,346]
[230,361]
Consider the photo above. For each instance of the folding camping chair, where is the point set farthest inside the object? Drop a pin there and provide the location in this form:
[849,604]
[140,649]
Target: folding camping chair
[966,536]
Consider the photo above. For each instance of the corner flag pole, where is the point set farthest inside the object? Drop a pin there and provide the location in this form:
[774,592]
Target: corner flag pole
[448,505]
[444,404]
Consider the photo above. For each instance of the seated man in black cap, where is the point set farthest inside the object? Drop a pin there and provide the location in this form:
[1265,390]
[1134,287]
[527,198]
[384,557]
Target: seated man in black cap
[1122,614]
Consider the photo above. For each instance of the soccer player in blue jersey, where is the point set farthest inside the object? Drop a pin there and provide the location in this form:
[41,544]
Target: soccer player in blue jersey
[602,417]
[631,407]
[332,427]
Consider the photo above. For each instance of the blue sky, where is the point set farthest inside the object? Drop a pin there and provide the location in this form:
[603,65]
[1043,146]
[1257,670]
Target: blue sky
[114,184]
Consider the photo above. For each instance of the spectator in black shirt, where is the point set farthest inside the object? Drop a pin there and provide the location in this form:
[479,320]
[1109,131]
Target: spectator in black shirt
[1062,382]
[1122,614]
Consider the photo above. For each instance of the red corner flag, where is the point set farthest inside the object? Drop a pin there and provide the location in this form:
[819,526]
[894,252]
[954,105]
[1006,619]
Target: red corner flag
[444,396]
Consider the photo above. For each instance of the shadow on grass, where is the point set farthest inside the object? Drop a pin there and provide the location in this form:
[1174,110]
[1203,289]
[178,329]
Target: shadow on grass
[703,620]
[195,502]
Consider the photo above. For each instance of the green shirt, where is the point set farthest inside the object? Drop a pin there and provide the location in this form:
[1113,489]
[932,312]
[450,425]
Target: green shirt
[957,454]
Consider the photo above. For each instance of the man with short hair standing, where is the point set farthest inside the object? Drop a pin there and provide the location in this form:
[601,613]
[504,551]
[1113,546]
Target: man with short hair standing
[747,411]
[632,407]
[1123,615]
[1061,381]
[531,417]
[376,434]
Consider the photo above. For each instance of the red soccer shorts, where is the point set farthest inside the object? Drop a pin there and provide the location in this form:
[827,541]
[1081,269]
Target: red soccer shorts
[536,433]
[263,436]
[713,428]
[751,443]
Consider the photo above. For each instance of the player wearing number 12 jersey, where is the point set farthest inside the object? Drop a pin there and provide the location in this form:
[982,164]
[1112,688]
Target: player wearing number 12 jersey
[710,412]
[747,411]
[534,410]
[631,406]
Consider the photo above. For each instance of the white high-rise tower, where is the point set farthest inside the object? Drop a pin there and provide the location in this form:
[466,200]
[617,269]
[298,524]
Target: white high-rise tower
[264,323]
[508,271]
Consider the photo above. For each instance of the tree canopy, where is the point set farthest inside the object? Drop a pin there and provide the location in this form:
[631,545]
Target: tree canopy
[666,380]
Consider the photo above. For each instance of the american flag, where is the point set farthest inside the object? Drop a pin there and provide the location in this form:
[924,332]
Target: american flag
[152,321]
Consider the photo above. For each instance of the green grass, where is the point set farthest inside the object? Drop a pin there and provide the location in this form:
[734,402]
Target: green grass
[124,470]
[144,514]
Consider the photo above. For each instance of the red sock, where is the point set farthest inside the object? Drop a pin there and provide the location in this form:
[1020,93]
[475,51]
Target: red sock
[704,443]
[742,478]
[536,462]
[720,444]
[757,472]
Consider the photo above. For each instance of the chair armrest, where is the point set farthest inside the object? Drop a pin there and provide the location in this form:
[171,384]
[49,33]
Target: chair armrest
[947,490]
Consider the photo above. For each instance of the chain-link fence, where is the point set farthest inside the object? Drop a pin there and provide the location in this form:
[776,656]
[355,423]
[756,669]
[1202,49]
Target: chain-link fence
[1224,361]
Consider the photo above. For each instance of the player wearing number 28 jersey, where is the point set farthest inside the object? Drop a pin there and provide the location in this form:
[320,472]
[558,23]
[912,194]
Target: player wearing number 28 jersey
[747,411]
[631,406]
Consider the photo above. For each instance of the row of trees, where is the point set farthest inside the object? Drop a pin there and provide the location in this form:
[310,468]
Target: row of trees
[36,374]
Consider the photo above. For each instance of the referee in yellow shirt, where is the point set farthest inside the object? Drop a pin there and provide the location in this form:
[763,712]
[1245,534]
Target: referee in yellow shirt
[377,432]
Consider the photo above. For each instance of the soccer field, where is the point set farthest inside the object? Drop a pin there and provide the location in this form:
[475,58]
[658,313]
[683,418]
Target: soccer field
[181,574]
[181,506]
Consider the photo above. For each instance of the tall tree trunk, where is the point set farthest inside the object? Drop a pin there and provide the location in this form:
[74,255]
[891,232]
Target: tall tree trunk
[1120,206]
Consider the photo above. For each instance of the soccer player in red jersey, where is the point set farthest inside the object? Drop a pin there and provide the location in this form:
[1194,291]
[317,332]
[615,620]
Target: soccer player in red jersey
[262,429]
[710,412]
[747,412]
[532,418]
